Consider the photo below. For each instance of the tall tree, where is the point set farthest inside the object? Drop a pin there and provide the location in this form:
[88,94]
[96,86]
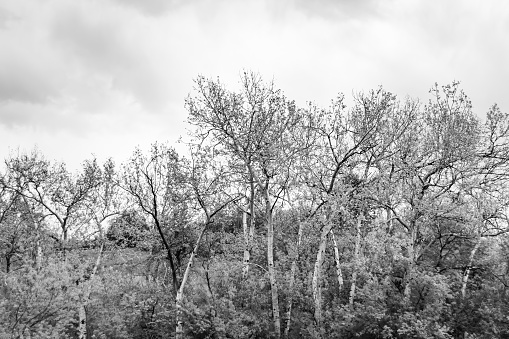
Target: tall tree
[155,185]
[352,147]
[207,180]
[255,127]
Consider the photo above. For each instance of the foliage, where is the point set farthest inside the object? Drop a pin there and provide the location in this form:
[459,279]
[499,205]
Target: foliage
[387,219]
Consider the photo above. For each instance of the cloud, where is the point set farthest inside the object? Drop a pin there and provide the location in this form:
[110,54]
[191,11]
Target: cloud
[25,81]
[345,10]
[5,17]
[107,75]
[106,46]
[28,71]
[151,7]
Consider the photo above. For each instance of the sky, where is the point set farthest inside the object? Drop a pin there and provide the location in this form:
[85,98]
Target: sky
[86,78]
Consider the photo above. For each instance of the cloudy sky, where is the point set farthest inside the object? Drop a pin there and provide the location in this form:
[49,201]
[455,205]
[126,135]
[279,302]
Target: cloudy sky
[87,77]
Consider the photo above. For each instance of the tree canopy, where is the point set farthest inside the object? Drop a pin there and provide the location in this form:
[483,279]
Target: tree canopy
[386,219]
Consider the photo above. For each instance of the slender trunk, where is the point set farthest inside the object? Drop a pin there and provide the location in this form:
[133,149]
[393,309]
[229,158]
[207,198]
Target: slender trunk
[38,246]
[247,255]
[356,262]
[87,288]
[179,330]
[8,263]
[270,262]
[38,251]
[249,231]
[292,282]
[339,272]
[317,274]
[469,267]
[169,256]
[251,213]
[390,221]
[63,244]
[37,228]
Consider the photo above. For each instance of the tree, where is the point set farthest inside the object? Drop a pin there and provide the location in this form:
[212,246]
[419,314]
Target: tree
[57,193]
[207,179]
[154,183]
[255,127]
[352,148]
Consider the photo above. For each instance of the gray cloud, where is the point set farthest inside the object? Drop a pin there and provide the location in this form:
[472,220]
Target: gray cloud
[98,43]
[151,7]
[88,72]
[25,81]
[45,118]
[108,47]
[5,17]
[340,9]
[157,8]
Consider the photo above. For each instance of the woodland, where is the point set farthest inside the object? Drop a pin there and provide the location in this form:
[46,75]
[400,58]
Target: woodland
[384,218]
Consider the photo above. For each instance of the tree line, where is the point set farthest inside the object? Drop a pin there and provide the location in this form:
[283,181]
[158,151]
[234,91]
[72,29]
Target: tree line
[386,219]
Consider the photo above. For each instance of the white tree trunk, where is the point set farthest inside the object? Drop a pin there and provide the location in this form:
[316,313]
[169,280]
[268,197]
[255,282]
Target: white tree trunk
[87,288]
[317,274]
[339,272]
[356,262]
[245,268]
[292,282]
[248,230]
[179,330]
[390,221]
[270,262]
[466,274]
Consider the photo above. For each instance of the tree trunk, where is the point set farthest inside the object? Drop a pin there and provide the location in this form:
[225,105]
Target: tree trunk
[169,255]
[390,221]
[87,288]
[270,263]
[317,274]
[82,325]
[356,262]
[38,252]
[292,282]
[248,231]
[468,268]
[339,272]
[245,269]
[179,330]
[37,228]
[8,263]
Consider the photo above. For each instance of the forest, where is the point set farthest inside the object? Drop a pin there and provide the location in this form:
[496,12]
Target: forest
[384,218]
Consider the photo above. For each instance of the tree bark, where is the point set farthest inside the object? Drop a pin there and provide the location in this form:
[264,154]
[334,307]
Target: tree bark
[248,230]
[292,283]
[339,272]
[38,252]
[270,263]
[8,263]
[87,288]
[245,268]
[390,221]
[356,262]
[179,330]
[317,274]
[466,274]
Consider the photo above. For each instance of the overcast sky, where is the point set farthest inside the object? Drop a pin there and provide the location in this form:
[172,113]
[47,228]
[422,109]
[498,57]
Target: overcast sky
[87,77]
